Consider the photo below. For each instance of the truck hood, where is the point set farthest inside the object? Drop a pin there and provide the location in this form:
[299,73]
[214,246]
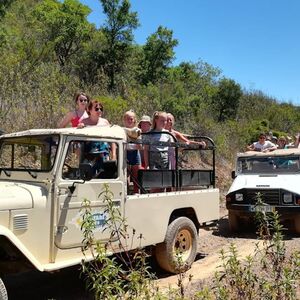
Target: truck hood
[19,195]
[287,182]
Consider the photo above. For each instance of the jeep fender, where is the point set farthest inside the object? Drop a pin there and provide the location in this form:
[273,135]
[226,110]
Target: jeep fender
[16,242]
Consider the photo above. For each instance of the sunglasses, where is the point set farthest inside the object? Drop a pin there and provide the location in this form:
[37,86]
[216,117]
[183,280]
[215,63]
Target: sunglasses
[98,108]
[83,100]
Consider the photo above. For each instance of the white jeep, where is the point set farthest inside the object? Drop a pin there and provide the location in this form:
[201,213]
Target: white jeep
[275,175]
[45,174]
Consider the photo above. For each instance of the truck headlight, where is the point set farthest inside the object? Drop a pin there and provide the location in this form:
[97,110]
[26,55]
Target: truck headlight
[239,197]
[287,198]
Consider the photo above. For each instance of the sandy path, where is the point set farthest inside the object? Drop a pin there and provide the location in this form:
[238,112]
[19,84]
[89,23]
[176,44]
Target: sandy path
[206,267]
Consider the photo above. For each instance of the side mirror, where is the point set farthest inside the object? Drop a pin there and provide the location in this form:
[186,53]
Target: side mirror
[233,175]
[86,171]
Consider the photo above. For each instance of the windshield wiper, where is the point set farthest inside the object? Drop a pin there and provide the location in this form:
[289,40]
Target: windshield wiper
[6,172]
[32,174]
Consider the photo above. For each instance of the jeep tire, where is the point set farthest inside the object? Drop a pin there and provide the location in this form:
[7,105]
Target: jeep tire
[297,224]
[233,222]
[178,251]
[3,292]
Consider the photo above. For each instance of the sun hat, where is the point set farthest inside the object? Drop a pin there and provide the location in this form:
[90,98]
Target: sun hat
[145,118]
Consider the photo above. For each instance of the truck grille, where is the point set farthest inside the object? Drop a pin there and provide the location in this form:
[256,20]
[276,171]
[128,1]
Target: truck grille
[20,222]
[268,196]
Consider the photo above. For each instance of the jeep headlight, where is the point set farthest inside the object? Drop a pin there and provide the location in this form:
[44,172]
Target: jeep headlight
[287,198]
[239,197]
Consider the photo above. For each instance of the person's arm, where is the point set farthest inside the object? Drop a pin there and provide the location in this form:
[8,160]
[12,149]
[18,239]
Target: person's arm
[113,151]
[66,120]
[251,147]
[271,148]
[182,138]
[297,141]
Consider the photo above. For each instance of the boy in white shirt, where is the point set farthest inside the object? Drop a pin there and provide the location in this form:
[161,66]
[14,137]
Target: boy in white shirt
[262,145]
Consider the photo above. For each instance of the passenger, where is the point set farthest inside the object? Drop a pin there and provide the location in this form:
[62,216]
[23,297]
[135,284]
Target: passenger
[180,138]
[262,145]
[282,143]
[145,126]
[95,154]
[274,140]
[133,153]
[75,117]
[156,156]
[94,111]
[296,144]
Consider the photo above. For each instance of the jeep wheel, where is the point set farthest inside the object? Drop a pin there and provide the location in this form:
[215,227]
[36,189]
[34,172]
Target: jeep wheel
[178,251]
[297,224]
[3,292]
[233,222]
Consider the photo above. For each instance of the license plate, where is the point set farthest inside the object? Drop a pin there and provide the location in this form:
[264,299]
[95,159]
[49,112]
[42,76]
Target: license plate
[262,208]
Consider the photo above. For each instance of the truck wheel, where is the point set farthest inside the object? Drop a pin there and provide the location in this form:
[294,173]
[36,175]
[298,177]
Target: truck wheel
[297,224]
[3,292]
[178,251]
[233,222]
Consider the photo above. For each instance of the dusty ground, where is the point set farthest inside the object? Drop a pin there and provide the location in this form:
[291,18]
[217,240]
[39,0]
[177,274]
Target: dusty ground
[212,240]
[66,284]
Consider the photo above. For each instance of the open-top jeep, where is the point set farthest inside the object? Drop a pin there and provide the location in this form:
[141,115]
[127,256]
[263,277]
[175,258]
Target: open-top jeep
[45,174]
[272,176]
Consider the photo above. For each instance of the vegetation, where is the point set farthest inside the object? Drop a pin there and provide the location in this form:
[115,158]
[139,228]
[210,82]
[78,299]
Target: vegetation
[49,50]
[271,273]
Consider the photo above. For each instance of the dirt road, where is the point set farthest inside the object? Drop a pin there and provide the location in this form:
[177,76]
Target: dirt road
[212,240]
[66,284]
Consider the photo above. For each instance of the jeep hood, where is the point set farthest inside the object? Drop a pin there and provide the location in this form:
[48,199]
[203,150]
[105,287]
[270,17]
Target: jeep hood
[287,182]
[18,195]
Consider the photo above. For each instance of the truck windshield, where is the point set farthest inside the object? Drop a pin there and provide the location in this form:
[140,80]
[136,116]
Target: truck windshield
[272,164]
[28,153]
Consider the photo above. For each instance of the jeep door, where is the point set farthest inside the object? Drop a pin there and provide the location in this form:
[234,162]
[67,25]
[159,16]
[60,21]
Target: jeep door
[102,159]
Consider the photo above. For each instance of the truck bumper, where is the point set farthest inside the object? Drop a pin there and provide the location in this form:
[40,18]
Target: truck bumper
[250,209]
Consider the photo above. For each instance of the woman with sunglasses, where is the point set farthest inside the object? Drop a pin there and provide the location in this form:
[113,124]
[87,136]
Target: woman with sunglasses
[75,117]
[94,111]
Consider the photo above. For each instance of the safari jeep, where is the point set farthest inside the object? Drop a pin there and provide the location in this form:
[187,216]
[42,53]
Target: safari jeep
[275,175]
[45,174]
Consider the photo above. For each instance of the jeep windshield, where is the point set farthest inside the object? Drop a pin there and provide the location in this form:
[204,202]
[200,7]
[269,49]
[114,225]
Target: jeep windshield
[28,153]
[271,164]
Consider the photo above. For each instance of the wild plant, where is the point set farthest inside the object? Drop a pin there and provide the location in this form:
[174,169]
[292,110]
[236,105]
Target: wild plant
[124,275]
[269,273]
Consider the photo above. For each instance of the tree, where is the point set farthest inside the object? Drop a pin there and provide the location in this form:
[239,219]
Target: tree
[65,26]
[158,54]
[4,4]
[118,30]
[226,100]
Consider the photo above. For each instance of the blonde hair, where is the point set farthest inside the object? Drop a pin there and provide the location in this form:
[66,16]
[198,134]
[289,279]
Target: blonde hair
[156,115]
[130,113]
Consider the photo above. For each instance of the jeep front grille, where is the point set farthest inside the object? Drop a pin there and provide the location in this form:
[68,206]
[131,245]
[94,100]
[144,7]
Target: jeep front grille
[268,196]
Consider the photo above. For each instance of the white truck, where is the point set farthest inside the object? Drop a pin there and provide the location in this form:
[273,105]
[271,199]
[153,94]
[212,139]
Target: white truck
[275,175]
[44,177]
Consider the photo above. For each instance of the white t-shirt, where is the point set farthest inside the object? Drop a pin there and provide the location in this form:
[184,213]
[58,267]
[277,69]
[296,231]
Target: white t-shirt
[265,145]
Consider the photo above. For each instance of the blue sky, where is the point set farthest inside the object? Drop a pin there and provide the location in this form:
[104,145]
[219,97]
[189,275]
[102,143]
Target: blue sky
[254,42]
